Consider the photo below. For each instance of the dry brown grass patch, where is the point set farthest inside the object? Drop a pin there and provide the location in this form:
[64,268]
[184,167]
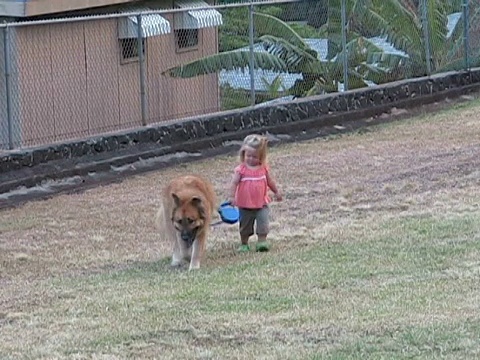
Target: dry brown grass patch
[77,269]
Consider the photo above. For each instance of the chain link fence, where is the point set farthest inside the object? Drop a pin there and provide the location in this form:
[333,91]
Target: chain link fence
[472,33]
[89,74]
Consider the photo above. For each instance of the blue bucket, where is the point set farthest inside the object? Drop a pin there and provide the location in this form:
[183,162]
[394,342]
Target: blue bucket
[228,213]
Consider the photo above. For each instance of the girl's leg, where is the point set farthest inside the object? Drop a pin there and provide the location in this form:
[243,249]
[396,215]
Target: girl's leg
[244,247]
[247,218]
[263,229]
[262,237]
[244,239]
[262,244]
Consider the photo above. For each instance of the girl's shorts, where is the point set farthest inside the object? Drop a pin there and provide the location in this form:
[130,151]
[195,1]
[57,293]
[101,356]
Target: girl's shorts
[248,217]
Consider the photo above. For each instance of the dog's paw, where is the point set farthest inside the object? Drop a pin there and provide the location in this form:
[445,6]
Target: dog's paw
[176,263]
[194,267]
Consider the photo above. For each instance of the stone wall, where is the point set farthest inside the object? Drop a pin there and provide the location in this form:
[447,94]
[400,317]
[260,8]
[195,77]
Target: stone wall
[313,112]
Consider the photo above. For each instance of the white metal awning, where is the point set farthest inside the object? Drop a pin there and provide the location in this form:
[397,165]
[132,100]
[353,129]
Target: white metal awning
[204,17]
[152,25]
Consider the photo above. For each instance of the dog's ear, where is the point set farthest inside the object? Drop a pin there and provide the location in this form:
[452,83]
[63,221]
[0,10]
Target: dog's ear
[196,201]
[176,199]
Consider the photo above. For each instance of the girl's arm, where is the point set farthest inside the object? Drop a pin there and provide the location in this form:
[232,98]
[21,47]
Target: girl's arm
[233,187]
[273,186]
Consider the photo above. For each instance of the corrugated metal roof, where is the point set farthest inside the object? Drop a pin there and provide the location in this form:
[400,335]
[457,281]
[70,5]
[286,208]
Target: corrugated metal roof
[151,24]
[203,17]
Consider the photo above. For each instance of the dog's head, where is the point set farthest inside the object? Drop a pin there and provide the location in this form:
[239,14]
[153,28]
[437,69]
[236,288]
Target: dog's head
[188,217]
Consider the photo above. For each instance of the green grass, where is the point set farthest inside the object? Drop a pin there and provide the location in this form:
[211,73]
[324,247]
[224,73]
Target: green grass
[403,291]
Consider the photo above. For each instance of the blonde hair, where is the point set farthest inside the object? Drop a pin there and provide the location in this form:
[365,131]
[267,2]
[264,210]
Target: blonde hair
[258,143]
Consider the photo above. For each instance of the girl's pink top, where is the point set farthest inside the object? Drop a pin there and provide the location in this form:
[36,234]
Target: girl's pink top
[252,190]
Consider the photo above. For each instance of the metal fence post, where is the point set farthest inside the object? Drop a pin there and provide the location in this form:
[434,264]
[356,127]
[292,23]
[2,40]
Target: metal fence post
[466,39]
[426,36]
[141,60]
[8,88]
[344,45]
[252,60]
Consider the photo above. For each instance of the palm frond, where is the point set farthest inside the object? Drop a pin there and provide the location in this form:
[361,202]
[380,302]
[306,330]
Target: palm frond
[358,8]
[293,56]
[358,51]
[386,60]
[312,85]
[274,87]
[452,6]
[437,25]
[356,80]
[453,65]
[321,87]
[334,23]
[229,60]
[378,74]
[453,50]
[399,24]
[268,25]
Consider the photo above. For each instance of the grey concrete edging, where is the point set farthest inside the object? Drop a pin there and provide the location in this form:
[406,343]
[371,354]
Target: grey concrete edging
[31,166]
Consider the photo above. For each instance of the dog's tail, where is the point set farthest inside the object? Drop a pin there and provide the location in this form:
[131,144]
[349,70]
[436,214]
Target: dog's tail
[160,217]
[163,225]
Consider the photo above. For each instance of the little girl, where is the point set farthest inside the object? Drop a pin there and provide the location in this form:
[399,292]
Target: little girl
[249,192]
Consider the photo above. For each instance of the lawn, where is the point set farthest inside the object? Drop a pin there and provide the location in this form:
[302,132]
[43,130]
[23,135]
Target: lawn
[376,255]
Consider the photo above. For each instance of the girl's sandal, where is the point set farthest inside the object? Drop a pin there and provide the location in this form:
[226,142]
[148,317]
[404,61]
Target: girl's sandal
[262,246]
[243,248]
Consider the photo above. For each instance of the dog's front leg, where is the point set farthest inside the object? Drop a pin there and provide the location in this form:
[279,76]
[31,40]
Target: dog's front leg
[179,251]
[197,252]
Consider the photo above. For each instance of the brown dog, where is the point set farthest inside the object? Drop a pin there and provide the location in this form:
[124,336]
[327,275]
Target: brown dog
[188,203]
